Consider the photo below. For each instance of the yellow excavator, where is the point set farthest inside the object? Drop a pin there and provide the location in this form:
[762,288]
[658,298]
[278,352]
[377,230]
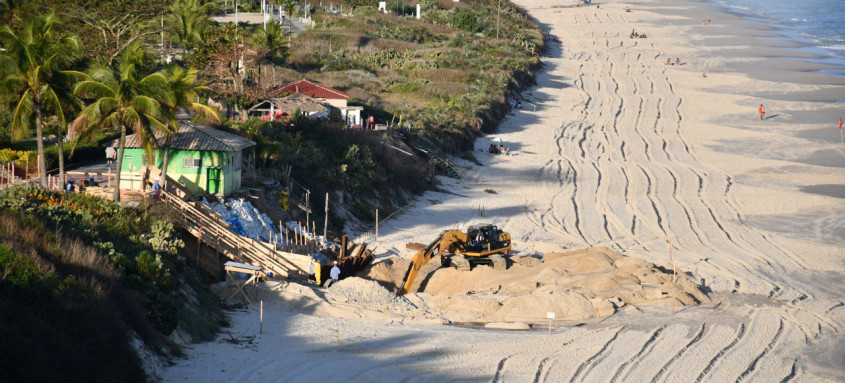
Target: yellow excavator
[480,245]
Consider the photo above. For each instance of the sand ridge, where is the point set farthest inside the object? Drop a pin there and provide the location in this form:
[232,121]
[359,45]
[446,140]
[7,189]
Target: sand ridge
[576,286]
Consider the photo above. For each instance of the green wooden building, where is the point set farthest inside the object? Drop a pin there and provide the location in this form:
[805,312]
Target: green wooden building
[203,159]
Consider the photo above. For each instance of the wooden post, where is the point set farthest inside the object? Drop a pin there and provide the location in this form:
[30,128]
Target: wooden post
[287,241]
[217,254]
[376,224]
[299,234]
[199,246]
[672,258]
[314,233]
[108,182]
[261,326]
[26,172]
[281,233]
[326,221]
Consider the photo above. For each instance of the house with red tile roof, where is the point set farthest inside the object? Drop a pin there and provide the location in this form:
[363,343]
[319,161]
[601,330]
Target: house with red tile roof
[323,94]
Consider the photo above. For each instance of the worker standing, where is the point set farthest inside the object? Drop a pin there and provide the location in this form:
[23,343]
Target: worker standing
[762,112]
[335,273]
[156,189]
[315,270]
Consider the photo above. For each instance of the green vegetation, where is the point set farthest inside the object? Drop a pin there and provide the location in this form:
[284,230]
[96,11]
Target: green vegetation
[447,76]
[329,158]
[80,275]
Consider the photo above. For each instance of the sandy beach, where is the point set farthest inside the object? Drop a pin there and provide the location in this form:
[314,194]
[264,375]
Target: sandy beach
[614,149]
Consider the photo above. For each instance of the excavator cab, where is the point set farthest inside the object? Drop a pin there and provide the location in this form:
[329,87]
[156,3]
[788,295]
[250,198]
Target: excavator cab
[482,239]
[482,244]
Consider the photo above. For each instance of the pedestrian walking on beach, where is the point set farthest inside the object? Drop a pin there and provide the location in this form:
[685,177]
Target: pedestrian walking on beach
[762,112]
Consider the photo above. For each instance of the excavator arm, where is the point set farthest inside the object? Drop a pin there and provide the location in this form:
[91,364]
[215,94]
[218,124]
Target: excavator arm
[421,258]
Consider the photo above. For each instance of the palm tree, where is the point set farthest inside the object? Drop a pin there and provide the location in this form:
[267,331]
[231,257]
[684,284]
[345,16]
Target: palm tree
[37,62]
[127,95]
[273,39]
[183,90]
[290,8]
[191,16]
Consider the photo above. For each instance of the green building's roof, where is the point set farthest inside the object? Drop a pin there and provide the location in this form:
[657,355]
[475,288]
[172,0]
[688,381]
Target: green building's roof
[193,136]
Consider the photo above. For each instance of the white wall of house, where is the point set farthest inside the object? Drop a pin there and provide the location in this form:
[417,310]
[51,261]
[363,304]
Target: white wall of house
[352,115]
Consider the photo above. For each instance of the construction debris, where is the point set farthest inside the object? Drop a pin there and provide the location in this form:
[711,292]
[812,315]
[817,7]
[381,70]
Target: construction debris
[243,218]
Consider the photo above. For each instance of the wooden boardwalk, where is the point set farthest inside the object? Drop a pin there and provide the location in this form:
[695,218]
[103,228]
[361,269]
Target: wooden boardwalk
[206,225]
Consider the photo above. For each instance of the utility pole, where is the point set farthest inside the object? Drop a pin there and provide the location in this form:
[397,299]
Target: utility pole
[162,39]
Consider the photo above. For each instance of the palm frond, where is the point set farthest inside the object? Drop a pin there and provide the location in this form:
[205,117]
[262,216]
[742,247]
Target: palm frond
[51,99]
[206,112]
[21,120]
[92,89]
[146,105]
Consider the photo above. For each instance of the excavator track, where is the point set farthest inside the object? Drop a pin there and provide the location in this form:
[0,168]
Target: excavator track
[459,262]
[499,262]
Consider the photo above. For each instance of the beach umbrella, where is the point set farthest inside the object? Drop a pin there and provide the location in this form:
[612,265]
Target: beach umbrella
[497,139]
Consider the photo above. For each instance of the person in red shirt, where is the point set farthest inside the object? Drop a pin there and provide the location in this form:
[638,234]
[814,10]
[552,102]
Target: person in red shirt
[762,111]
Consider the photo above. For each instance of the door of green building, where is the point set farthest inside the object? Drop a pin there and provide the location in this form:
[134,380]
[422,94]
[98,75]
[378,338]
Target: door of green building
[214,181]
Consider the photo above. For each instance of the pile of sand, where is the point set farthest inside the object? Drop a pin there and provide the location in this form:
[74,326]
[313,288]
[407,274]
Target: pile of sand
[577,285]
[369,294]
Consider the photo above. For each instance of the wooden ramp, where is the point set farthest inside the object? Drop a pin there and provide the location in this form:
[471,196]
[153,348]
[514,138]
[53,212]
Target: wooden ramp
[206,225]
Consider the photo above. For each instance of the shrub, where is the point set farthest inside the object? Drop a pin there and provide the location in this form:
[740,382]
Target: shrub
[406,87]
[465,20]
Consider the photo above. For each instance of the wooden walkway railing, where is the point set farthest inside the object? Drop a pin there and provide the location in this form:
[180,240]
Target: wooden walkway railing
[439,156]
[204,224]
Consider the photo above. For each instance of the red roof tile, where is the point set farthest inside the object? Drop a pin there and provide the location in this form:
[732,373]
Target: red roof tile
[310,89]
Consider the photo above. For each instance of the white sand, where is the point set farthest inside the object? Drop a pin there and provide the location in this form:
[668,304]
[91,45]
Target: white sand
[627,153]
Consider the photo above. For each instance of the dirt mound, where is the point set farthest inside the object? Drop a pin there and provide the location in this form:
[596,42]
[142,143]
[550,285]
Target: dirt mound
[368,294]
[576,285]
